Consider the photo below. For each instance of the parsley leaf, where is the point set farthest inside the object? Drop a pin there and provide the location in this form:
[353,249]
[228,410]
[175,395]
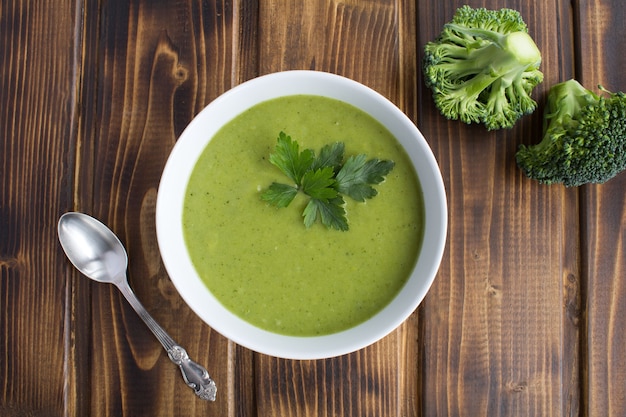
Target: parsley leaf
[331,212]
[280,195]
[323,179]
[357,174]
[319,183]
[290,160]
[330,156]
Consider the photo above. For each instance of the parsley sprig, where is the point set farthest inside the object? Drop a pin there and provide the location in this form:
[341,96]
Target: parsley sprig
[325,179]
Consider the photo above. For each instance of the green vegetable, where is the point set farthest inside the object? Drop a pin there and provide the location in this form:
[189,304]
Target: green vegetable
[324,179]
[483,67]
[584,138]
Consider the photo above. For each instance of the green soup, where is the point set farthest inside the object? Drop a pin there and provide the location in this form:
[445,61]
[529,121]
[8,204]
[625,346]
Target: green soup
[261,262]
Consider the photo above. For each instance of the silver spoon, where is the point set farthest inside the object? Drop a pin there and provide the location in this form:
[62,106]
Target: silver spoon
[96,252]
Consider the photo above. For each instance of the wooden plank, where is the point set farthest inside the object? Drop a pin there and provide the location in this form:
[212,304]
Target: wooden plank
[603,214]
[38,108]
[359,39]
[499,342]
[371,42]
[151,68]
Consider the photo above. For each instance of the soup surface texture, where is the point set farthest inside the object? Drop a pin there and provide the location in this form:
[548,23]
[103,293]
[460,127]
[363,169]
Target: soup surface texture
[260,261]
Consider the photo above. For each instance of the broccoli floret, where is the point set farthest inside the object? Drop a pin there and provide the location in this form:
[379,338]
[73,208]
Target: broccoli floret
[483,67]
[584,138]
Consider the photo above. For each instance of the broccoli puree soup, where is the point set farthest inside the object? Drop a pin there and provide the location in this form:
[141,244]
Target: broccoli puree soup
[261,262]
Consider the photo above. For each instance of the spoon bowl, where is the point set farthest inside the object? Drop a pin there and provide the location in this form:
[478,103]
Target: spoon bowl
[92,248]
[98,253]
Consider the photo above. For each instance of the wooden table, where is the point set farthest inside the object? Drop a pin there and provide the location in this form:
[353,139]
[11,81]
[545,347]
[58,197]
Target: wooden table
[527,315]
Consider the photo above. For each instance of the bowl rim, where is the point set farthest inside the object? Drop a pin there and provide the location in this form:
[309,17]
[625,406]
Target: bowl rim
[170,197]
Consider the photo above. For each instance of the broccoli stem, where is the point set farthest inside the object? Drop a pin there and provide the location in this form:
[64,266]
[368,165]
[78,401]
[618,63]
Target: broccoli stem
[565,100]
[483,67]
[564,105]
[523,48]
[519,44]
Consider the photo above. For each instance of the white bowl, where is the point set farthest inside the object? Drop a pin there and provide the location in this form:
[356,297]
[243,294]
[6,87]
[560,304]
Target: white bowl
[171,194]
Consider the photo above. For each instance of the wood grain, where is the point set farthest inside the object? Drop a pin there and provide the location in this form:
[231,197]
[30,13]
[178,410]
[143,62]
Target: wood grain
[38,110]
[155,68]
[603,218]
[494,320]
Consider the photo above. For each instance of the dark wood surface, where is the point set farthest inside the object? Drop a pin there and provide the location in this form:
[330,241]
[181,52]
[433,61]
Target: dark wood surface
[527,315]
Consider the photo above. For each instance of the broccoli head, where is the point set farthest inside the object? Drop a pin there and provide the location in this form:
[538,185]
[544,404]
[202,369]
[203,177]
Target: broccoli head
[584,138]
[483,67]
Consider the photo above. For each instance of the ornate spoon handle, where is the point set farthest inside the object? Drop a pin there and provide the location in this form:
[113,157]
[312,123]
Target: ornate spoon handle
[195,375]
